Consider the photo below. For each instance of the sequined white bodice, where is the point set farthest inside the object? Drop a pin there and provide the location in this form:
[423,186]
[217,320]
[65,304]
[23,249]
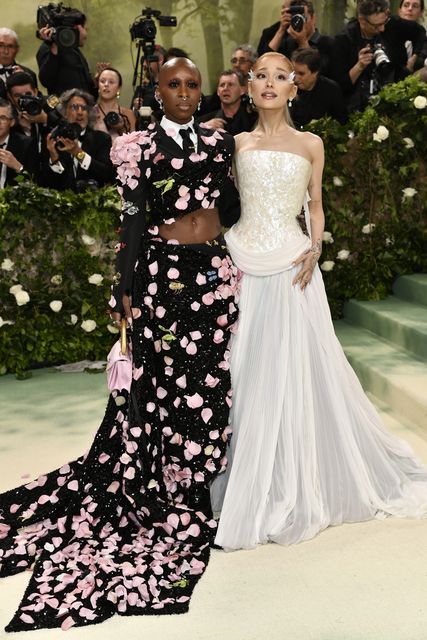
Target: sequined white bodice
[272,186]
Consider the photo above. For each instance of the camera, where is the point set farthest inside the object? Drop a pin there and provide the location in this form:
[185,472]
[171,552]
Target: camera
[380,56]
[65,129]
[112,119]
[63,22]
[298,18]
[144,27]
[33,105]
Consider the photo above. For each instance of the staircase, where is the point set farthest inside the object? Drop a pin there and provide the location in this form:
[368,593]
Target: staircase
[386,344]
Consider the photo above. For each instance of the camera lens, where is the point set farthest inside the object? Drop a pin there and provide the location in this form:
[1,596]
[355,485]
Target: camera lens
[297,22]
[112,119]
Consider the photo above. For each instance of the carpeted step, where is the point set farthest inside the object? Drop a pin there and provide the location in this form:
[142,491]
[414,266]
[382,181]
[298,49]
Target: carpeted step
[402,323]
[391,374]
[412,288]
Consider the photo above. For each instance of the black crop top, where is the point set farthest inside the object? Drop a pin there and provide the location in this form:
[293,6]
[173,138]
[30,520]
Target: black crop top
[160,183]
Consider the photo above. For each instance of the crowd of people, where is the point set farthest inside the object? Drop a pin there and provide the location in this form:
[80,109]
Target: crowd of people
[334,75]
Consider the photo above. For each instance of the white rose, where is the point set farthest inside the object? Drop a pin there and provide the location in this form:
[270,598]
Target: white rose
[343,254]
[337,181]
[73,318]
[382,132]
[368,228]
[88,240]
[3,322]
[112,329]
[88,325]
[95,278]
[55,305]
[21,297]
[388,241]
[7,264]
[57,279]
[15,288]
[328,265]
[327,237]
[409,192]
[350,134]
[409,143]
[420,102]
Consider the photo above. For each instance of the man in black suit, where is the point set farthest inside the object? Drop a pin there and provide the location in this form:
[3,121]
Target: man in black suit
[17,152]
[283,38]
[82,161]
[62,68]
[235,114]
[317,96]
[9,47]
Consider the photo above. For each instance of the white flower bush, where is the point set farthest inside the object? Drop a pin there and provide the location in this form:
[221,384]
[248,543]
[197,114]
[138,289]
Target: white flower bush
[7,264]
[55,305]
[87,240]
[328,265]
[381,134]
[4,322]
[21,297]
[56,279]
[16,287]
[420,102]
[409,143]
[88,325]
[337,181]
[73,318]
[96,279]
[343,254]
[112,329]
[327,237]
[409,193]
[368,228]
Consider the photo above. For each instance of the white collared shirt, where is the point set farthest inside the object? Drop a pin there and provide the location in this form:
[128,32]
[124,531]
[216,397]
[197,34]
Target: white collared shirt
[84,164]
[3,166]
[170,125]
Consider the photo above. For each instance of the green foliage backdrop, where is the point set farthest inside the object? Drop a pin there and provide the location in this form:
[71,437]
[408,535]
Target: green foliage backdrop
[57,249]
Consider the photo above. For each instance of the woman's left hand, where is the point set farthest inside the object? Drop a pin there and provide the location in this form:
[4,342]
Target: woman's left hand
[305,274]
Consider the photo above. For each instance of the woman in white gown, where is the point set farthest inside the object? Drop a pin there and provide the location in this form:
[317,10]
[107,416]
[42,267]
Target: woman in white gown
[308,449]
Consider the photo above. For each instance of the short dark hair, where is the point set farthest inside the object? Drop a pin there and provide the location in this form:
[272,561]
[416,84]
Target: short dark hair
[421,4]
[18,79]
[371,7]
[311,57]
[304,3]
[233,72]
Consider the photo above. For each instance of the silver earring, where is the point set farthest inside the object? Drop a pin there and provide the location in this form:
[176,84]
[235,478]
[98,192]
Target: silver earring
[289,103]
[159,100]
[251,100]
[199,104]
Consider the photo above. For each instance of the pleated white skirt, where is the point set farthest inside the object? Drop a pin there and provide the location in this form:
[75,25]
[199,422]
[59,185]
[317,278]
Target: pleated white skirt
[308,448]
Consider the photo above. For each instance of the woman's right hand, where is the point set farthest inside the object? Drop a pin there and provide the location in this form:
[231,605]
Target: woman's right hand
[127,313]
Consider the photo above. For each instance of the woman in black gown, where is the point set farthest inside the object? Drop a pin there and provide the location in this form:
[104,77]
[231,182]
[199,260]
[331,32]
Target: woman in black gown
[127,528]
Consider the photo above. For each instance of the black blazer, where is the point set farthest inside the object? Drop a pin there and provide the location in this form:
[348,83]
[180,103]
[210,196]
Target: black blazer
[243,120]
[25,151]
[67,70]
[98,145]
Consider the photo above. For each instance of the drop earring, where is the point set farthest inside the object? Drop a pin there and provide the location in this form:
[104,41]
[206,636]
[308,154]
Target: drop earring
[289,103]
[118,95]
[199,104]
[159,100]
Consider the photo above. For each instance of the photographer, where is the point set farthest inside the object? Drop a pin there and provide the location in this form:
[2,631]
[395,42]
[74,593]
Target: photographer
[79,157]
[111,117]
[371,52]
[16,151]
[61,64]
[9,47]
[296,29]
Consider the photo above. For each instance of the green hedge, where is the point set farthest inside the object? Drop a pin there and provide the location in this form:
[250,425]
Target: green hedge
[53,242]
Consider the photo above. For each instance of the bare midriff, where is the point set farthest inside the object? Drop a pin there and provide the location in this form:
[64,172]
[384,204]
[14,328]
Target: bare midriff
[196,227]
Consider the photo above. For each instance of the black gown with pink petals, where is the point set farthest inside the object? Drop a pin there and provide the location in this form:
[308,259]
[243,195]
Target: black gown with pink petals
[127,528]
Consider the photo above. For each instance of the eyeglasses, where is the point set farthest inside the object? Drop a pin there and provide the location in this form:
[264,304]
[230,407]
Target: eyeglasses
[79,107]
[378,25]
[5,118]
[8,46]
[239,60]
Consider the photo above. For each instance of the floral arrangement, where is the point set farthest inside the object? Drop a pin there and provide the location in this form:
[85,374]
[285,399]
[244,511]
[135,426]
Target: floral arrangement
[57,248]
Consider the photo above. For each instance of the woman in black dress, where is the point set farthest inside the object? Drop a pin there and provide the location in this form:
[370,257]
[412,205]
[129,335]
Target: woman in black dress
[127,528]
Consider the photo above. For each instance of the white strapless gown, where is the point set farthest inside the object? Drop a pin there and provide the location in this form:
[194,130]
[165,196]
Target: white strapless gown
[308,448]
